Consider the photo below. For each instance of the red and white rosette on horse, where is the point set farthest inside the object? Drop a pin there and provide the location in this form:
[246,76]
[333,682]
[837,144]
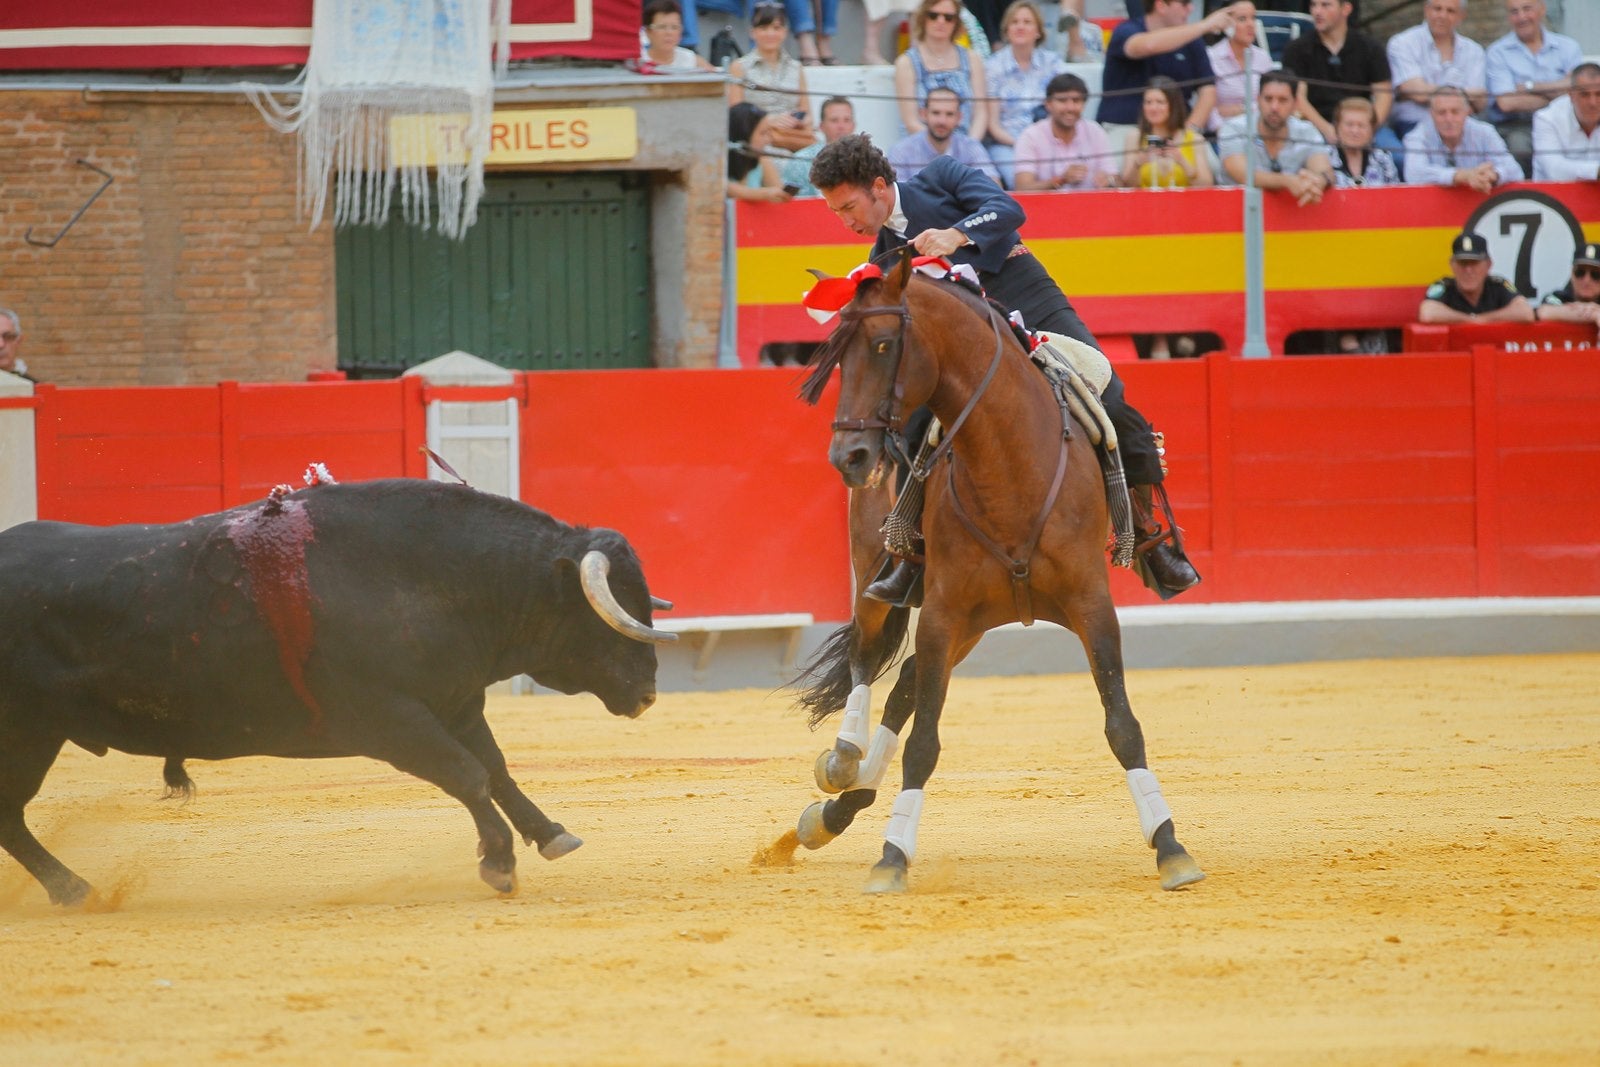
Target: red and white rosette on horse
[824,300]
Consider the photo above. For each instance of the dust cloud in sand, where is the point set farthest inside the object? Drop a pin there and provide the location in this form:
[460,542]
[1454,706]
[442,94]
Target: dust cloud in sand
[1401,861]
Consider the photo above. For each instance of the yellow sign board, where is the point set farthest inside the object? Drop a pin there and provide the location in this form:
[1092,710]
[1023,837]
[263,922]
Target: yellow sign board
[545,135]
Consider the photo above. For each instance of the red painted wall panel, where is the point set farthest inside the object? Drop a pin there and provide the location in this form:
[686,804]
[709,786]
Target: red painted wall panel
[1432,475]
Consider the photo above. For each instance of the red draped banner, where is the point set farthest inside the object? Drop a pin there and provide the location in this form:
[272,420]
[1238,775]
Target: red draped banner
[133,34]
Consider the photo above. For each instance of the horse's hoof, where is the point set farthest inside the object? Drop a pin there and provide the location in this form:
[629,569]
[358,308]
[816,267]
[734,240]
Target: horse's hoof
[560,845]
[1178,871]
[811,831]
[885,878]
[835,775]
[502,882]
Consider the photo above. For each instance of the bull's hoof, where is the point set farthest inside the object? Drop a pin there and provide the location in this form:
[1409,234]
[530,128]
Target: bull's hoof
[1179,870]
[70,892]
[837,769]
[812,832]
[560,845]
[502,882]
[886,877]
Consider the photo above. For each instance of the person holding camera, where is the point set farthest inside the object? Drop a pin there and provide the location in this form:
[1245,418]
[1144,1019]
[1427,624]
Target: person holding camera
[1162,152]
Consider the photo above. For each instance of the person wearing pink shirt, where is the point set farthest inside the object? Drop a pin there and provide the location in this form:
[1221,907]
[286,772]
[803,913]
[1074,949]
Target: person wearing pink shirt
[1065,150]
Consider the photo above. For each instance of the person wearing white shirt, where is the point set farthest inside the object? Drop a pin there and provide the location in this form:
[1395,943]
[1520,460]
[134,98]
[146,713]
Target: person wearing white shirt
[1566,135]
[1452,148]
[1433,54]
[1527,68]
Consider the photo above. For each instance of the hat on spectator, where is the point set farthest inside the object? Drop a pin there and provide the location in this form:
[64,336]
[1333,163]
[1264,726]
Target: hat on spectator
[1469,246]
[1588,255]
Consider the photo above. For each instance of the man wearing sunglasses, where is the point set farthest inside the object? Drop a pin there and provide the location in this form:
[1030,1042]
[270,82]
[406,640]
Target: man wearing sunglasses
[1471,293]
[11,344]
[1579,299]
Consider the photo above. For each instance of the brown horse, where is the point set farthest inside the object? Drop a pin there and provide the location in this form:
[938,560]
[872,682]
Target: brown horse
[1015,527]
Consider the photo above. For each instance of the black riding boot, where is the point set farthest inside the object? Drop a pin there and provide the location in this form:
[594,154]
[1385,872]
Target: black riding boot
[895,587]
[1160,549]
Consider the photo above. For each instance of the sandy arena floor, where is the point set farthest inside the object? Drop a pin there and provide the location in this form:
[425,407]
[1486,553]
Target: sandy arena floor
[1402,861]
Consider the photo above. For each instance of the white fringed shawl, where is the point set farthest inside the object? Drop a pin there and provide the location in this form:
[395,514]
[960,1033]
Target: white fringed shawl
[373,61]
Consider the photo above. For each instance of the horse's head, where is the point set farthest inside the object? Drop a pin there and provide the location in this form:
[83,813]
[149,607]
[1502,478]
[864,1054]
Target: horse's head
[875,375]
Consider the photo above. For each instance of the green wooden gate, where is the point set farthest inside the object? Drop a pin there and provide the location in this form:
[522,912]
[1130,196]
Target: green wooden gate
[554,275]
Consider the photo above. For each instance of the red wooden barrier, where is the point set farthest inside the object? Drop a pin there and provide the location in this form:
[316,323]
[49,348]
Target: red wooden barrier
[1442,474]
[1518,336]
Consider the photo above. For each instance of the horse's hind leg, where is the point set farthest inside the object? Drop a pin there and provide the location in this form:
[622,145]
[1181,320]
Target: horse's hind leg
[25,762]
[1102,642]
[826,820]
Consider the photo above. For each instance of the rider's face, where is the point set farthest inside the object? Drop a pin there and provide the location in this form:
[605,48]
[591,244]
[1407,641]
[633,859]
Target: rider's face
[862,208]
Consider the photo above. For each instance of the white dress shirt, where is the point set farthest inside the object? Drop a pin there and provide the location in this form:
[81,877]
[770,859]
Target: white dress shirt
[1562,152]
[1412,54]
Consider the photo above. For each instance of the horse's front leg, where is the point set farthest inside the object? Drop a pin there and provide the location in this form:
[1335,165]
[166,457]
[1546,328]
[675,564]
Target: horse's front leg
[1102,642]
[932,674]
[854,767]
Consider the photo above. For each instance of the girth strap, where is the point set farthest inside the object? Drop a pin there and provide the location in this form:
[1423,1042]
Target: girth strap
[1019,563]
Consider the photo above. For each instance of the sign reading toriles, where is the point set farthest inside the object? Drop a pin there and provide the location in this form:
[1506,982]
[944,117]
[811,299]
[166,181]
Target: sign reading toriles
[545,135]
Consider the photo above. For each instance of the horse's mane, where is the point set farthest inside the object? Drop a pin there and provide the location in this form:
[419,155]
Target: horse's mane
[831,351]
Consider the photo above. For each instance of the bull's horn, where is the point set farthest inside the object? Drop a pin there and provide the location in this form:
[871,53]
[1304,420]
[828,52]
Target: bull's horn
[592,573]
[659,604]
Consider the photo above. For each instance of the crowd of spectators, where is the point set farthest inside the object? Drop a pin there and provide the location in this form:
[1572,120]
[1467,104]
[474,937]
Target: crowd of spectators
[1186,100]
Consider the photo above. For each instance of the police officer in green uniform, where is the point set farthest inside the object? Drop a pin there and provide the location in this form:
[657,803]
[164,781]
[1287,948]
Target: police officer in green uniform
[1579,299]
[1470,293]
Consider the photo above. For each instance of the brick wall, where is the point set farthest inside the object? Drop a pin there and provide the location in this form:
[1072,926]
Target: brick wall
[191,267]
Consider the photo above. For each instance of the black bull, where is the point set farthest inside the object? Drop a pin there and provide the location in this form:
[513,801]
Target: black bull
[340,620]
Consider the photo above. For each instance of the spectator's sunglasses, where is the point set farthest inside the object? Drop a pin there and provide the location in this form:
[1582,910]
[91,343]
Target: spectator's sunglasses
[1592,273]
[943,16]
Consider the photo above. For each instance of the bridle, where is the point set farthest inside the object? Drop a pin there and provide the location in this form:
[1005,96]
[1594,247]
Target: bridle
[890,415]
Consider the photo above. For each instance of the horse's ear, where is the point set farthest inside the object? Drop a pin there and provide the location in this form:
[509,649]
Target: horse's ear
[820,276]
[900,274]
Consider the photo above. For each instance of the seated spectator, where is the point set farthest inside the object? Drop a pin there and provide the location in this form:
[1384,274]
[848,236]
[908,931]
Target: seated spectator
[1018,74]
[1163,42]
[1527,68]
[663,27]
[1470,293]
[838,120]
[1356,160]
[816,42]
[1578,300]
[1430,55]
[939,137]
[1451,148]
[1285,153]
[752,174]
[1336,63]
[1161,152]
[1065,150]
[1566,135]
[772,80]
[11,360]
[1230,57]
[935,61]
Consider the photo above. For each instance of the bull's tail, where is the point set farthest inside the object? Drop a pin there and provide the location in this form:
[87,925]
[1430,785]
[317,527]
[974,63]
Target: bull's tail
[826,679]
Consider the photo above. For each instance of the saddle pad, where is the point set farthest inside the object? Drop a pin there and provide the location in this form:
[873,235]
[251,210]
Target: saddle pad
[1090,363]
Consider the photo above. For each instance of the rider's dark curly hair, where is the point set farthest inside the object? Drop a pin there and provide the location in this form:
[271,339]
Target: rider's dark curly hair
[852,160]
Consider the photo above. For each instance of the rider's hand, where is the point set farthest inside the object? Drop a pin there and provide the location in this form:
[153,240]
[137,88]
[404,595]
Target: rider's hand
[938,242]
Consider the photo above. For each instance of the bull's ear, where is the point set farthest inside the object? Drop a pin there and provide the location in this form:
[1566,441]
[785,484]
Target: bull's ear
[569,583]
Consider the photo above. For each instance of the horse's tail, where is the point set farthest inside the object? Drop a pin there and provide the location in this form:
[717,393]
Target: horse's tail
[825,680]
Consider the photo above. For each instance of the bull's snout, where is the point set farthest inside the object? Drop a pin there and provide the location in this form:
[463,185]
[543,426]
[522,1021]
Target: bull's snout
[646,699]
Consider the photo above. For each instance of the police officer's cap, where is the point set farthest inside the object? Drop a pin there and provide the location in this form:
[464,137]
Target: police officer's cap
[1469,246]
[1588,255]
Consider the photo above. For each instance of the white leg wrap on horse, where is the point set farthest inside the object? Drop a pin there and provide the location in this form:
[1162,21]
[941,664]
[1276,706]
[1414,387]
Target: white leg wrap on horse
[884,745]
[857,717]
[1147,798]
[903,820]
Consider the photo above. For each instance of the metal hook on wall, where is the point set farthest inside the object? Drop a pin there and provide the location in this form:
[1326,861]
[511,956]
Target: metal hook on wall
[28,236]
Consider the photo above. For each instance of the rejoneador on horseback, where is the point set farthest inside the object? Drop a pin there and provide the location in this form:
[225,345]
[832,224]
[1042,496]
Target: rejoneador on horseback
[1016,489]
